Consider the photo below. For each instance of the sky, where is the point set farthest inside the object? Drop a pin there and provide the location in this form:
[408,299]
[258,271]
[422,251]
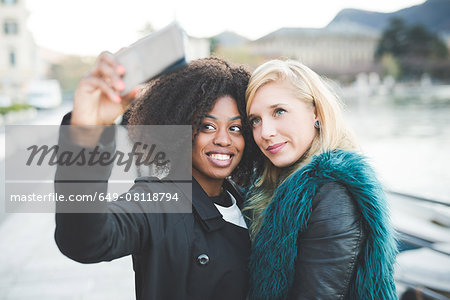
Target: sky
[88,27]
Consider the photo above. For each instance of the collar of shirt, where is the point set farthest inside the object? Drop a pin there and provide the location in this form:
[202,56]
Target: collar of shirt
[208,214]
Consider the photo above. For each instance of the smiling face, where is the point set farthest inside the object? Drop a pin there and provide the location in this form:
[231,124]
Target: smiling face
[219,145]
[283,125]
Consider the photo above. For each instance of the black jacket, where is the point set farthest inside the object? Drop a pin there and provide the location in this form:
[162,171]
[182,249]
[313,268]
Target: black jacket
[194,255]
[328,249]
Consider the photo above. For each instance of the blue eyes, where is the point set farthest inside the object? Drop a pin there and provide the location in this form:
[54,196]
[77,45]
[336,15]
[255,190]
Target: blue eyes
[279,112]
[255,121]
[276,113]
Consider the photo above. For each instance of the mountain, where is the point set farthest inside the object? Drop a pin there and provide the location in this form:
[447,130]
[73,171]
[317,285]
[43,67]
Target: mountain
[433,14]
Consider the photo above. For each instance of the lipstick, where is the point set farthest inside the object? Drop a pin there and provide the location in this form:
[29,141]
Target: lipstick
[272,149]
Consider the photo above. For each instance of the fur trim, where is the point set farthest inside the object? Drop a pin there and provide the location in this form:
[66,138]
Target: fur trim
[272,262]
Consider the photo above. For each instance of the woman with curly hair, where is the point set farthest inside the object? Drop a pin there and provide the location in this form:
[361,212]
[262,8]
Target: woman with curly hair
[198,255]
[321,228]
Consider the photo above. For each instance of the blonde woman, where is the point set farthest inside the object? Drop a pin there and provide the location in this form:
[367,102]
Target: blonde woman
[320,225]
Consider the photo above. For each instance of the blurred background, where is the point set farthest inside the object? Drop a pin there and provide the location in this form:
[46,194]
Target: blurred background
[387,60]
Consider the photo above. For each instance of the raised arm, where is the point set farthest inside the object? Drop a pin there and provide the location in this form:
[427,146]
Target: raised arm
[93,237]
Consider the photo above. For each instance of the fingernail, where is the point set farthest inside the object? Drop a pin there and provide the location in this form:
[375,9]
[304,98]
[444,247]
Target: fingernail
[120,85]
[117,98]
[121,69]
[135,92]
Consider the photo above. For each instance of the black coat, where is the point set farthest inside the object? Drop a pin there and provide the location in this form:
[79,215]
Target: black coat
[194,255]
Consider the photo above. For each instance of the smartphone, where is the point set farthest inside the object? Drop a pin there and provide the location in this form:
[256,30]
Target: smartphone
[158,53]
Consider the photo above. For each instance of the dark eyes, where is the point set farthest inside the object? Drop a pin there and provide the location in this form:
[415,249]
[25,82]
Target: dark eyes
[211,127]
[208,127]
[235,128]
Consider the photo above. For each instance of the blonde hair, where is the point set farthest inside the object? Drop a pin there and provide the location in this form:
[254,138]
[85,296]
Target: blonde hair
[333,133]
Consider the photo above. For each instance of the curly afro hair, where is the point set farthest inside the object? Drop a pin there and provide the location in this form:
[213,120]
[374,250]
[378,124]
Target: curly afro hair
[185,96]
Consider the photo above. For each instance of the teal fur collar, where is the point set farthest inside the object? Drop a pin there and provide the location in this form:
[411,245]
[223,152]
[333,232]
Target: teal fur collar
[272,262]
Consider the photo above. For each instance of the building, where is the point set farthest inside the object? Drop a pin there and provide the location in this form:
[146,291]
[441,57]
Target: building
[335,50]
[18,52]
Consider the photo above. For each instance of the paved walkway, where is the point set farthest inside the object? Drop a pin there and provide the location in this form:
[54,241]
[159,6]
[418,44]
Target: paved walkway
[32,267]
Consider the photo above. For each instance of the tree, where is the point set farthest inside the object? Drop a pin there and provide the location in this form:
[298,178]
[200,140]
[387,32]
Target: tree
[213,43]
[414,48]
[423,44]
[393,39]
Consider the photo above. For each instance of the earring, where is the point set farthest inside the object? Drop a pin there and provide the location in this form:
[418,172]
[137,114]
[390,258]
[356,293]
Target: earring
[317,124]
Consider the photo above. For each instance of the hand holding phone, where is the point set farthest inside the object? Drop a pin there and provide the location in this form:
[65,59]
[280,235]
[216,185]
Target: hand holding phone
[160,52]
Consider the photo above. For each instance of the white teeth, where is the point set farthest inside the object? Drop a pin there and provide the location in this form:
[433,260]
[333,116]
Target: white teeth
[220,156]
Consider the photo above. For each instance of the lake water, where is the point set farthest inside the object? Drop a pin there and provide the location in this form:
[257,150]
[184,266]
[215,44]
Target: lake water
[407,141]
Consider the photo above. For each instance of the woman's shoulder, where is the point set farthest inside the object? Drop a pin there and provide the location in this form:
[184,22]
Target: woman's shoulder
[334,198]
[334,211]
[348,162]
[332,188]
